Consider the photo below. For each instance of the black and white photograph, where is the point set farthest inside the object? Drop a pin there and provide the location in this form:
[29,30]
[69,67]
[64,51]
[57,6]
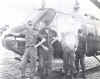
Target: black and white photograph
[49,39]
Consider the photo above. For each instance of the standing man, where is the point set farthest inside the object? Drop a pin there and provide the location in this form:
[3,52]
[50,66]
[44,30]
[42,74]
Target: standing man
[46,52]
[31,34]
[68,56]
[80,52]
[57,47]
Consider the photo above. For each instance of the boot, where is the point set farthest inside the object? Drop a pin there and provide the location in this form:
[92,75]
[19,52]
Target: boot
[83,76]
[23,77]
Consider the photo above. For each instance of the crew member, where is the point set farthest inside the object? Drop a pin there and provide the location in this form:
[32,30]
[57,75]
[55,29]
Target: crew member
[31,35]
[80,52]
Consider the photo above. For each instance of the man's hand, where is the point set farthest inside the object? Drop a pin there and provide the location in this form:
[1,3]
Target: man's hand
[45,48]
[40,43]
[18,66]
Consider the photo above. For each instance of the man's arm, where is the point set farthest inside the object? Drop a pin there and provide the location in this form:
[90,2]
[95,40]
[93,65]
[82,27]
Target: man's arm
[44,47]
[40,43]
[54,39]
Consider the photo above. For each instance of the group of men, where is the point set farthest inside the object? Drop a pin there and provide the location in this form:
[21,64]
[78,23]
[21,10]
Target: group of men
[37,47]
[74,56]
[39,40]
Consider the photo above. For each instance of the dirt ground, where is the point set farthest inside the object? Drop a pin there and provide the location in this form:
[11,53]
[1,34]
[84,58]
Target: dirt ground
[9,69]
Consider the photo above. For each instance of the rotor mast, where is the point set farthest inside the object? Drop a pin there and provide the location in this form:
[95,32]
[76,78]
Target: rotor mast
[43,4]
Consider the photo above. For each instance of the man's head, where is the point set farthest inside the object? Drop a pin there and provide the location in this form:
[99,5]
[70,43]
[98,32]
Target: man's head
[29,23]
[39,26]
[80,31]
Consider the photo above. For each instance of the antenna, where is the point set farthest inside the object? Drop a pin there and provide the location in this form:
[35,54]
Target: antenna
[43,4]
[76,6]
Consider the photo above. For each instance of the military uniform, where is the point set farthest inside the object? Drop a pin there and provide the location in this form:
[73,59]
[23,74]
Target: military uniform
[58,50]
[69,59]
[80,53]
[46,56]
[30,52]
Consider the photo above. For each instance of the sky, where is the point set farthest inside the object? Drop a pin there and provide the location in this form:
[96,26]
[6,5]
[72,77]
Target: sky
[16,12]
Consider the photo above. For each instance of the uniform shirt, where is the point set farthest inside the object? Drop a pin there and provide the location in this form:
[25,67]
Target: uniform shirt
[58,50]
[81,42]
[69,41]
[47,33]
[30,36]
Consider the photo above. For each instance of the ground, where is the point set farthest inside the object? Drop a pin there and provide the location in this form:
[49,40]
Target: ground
[9,69]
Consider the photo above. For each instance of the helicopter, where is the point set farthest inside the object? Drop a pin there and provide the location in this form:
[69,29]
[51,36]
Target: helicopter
[13,42]
[96,3]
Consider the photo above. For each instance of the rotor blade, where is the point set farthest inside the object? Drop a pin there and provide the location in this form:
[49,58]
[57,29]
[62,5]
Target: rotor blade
[96,3]
[39,9]
[63,13]
[36,9]
[92,17]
